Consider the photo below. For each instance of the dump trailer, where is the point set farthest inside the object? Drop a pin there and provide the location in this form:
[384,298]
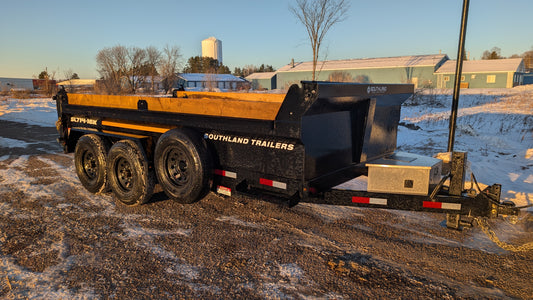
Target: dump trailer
[299,146]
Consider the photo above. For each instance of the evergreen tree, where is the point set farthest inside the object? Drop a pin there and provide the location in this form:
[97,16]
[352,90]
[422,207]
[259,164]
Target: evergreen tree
[494,53]
[199,64]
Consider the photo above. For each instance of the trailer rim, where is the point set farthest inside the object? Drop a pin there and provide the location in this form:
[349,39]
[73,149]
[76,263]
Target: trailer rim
[177,165]
[90,165]
[125,178]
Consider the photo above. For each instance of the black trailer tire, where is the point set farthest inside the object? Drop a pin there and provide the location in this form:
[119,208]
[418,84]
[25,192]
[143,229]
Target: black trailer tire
[129,175]
[183,165]
[90,160]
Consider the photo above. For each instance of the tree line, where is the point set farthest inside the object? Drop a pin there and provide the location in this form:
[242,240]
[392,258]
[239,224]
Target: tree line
[198,64]
[495,53]
[127,69]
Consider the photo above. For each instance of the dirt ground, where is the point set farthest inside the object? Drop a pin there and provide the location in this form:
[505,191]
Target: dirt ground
[59,241]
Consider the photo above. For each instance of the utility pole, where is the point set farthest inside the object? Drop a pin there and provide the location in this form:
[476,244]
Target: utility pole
[458,74]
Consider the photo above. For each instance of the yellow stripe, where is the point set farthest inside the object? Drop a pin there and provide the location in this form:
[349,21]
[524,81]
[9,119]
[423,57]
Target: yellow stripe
[235,105]
[136,126]
[124,134]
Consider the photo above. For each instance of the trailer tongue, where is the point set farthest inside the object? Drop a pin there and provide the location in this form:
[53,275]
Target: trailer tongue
[300,145]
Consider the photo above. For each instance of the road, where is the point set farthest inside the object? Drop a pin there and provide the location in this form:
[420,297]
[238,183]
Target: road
[59,241]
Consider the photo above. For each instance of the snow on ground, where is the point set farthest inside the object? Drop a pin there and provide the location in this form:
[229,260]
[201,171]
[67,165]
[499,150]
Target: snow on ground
[12,143]
[36,111]
[495,127]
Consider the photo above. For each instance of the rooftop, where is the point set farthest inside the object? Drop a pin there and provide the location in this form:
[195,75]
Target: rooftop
[491,65]
[209,77]
[367,63]
[261,75]
[77,82]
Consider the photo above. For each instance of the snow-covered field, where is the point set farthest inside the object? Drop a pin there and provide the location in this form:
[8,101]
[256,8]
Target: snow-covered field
[494,126]
[36,111]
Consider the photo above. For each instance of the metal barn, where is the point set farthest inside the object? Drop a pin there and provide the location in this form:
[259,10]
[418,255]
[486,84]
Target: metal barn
[494,73]
[263,80]
[416,69]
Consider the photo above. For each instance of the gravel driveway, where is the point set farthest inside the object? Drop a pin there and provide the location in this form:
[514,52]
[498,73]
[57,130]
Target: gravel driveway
[59,241]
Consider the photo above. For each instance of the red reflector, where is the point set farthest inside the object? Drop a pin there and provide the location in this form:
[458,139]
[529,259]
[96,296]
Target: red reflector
[369,200]
[442,205]
[273,183]
[430,204]
[265,181]
[363,200]
[225,173]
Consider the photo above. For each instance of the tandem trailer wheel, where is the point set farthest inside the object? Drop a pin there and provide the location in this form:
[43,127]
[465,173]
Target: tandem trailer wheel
[90,160]
[130,177]
[182,165]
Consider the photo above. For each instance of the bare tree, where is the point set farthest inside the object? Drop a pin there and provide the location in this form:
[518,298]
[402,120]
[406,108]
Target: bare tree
[318,16]
[153,59]
[528,59]
[112,66]
[136,60]
[121,68]
[69,76]
[169,66]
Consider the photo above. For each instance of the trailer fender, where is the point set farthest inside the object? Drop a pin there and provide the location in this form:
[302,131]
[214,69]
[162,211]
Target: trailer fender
[183,165]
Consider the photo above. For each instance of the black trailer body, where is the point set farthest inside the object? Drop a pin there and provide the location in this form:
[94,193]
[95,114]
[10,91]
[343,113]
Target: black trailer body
[321,135]
[299,145]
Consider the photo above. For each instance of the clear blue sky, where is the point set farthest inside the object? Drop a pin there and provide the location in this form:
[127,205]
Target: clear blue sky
[62,35]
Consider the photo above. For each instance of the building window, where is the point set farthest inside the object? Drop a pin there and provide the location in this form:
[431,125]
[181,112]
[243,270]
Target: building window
[463,78]
[446,78]
[491,78]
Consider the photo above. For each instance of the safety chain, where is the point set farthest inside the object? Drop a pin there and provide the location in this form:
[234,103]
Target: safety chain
[483,224]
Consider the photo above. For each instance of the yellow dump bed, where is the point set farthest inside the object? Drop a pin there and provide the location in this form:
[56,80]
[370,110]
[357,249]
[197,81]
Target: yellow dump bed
[233,105]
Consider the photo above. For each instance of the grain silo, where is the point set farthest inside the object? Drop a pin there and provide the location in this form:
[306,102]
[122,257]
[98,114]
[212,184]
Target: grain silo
[212,47]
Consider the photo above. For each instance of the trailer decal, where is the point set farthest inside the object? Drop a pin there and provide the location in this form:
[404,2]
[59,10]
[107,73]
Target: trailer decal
[248,141]
[226,173]
[227,138]
[81,120]
[376,89]
[369,200]
[273,183]
[273,145]
[441,205]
